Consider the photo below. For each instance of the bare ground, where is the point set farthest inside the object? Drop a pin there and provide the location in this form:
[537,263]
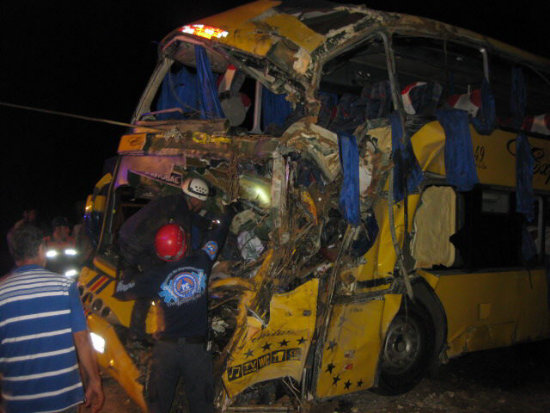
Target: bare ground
[510,380]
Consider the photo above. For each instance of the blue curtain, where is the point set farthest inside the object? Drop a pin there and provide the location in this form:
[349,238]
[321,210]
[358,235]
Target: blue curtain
[209,102]
[178,90]
[486,119]
[525,199]
[460,164]
[518,97]
[193,93]
[349,193]
[275,109]
[406,168]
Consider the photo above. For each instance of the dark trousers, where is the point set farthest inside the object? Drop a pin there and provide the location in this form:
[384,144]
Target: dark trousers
[189,361]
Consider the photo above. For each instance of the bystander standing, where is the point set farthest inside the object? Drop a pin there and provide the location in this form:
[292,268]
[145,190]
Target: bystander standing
[44,342]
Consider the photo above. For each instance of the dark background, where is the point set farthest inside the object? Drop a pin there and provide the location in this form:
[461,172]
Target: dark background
[94,59]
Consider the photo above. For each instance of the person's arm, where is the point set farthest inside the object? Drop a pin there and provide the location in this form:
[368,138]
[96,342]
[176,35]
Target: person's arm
[141,284]
[85,352]
[92,381]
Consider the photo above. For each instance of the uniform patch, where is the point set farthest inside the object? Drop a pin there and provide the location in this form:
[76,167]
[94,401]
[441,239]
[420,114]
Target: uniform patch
[123,287]
[211,248]
[183,285]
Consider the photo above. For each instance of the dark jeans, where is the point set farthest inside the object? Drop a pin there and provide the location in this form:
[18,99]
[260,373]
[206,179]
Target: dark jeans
[189,361]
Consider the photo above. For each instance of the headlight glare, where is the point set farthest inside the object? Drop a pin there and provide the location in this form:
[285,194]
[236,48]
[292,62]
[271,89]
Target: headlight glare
[98,343]
[51,254]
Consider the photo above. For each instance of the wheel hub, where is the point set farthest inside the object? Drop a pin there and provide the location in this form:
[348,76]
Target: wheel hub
[403,345]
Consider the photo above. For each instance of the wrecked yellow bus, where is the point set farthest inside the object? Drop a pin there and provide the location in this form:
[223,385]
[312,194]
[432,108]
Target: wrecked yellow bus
[395,179]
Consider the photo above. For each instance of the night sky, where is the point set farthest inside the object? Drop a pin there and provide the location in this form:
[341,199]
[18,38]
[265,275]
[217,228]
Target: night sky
[94,59]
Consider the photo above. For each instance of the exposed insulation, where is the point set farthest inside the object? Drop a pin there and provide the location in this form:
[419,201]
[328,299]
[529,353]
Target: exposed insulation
[434,223]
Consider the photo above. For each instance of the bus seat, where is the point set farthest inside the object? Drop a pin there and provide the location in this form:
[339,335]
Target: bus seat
[421,98]
[327,113]
[538,124]
[470,102]
[350,113]
[379,101]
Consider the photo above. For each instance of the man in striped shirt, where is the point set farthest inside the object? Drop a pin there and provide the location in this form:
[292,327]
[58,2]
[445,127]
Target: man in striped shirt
[43,336]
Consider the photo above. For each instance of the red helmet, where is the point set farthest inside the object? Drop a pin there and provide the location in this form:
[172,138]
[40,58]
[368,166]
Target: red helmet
[170,242]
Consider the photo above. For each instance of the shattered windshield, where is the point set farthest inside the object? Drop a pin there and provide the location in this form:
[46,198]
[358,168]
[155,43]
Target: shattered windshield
[202,83]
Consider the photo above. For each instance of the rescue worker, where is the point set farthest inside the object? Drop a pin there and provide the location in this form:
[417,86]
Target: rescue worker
[136,238]
[180,286]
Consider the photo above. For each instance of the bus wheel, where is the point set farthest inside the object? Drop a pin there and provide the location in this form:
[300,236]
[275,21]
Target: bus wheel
[407,352]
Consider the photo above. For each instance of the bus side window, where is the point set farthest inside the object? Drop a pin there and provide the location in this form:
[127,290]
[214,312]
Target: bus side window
[355,87]
[492,234]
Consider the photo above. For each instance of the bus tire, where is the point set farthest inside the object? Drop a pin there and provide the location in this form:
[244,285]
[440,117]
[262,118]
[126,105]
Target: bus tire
[407,352]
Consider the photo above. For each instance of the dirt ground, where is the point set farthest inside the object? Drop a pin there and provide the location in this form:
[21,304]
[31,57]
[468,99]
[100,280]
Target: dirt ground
[511,380]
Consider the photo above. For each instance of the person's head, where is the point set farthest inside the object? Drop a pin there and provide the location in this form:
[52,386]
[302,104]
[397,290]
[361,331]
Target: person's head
[27,245]
[29,215]
[196,193]
[60,228]
[170,242]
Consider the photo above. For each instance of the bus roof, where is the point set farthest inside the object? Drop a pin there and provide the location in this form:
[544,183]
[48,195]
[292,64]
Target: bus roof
[313,28]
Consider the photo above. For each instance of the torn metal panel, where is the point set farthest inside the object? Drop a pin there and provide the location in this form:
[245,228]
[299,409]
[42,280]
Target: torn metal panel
[249,299]
[324,23]
[174,142]
[278,350]
[290,57]
[381,258]
[319,143]
[278,197]
[310,205]
[242,219]
[350,352]
[302,61]
[216,127]
[292,29]
[223,177]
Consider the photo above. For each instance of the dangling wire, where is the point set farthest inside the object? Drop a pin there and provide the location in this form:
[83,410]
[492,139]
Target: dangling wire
[70,115]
